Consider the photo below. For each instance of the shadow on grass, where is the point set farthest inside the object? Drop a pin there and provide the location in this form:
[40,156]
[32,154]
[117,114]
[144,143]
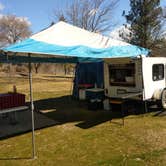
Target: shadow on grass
[68,110]
[65,109]
[160,113]
[58,111]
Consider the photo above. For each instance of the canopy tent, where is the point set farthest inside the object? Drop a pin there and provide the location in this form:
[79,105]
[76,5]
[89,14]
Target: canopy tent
[62,43]
[66,42]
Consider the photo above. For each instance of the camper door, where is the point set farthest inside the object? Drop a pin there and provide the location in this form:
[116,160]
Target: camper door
[153,76]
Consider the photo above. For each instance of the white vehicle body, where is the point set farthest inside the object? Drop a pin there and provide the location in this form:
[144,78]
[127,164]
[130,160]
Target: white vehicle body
[141,78]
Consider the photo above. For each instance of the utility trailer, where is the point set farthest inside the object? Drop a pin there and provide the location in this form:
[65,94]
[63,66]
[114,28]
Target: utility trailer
[141,78]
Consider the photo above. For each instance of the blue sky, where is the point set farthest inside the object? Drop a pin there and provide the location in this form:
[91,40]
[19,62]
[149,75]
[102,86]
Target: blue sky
[40,12]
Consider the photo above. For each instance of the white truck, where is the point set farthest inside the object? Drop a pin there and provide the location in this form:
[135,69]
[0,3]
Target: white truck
[141,78]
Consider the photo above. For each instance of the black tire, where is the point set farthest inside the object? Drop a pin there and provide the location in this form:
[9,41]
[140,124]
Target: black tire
[163,98]
[159,104]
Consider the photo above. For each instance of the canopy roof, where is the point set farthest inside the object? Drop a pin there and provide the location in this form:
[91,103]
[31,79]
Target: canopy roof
[63,39]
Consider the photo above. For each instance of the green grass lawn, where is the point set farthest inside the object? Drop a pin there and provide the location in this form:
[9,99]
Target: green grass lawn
[83,137]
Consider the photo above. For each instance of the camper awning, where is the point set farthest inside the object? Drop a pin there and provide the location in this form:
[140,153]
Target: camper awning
[64,40]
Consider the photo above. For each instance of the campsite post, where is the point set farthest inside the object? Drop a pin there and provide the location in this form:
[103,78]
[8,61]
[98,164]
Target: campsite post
[31,107]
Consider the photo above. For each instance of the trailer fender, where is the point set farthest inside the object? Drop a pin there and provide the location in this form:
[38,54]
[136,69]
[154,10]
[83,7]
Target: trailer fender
[157,94]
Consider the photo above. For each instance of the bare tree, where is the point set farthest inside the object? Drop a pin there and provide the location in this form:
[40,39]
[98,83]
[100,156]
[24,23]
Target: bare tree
[36,67]
[13,29]
[92,15]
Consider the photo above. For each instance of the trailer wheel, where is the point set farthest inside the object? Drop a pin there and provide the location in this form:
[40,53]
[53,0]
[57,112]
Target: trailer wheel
[163,98]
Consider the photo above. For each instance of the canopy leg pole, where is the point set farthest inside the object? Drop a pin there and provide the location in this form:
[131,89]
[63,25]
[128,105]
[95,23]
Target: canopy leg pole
[32,110]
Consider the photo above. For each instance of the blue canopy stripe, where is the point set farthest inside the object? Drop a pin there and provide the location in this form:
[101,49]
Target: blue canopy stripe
[34,46]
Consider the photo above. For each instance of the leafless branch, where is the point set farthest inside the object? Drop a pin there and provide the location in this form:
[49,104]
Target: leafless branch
[13,29]
[92,15]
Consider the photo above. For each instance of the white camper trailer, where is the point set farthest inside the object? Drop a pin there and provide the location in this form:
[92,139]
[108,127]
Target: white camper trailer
[142,78]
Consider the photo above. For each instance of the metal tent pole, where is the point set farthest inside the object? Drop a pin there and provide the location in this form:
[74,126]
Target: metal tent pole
[32,109]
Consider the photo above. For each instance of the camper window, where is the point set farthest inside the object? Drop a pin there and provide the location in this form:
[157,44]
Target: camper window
[158,72]
[122,74]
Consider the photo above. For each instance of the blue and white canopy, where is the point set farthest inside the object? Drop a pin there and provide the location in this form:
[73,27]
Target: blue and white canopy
[63,39]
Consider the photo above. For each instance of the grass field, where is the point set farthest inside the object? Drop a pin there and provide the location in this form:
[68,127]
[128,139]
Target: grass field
[82,137]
